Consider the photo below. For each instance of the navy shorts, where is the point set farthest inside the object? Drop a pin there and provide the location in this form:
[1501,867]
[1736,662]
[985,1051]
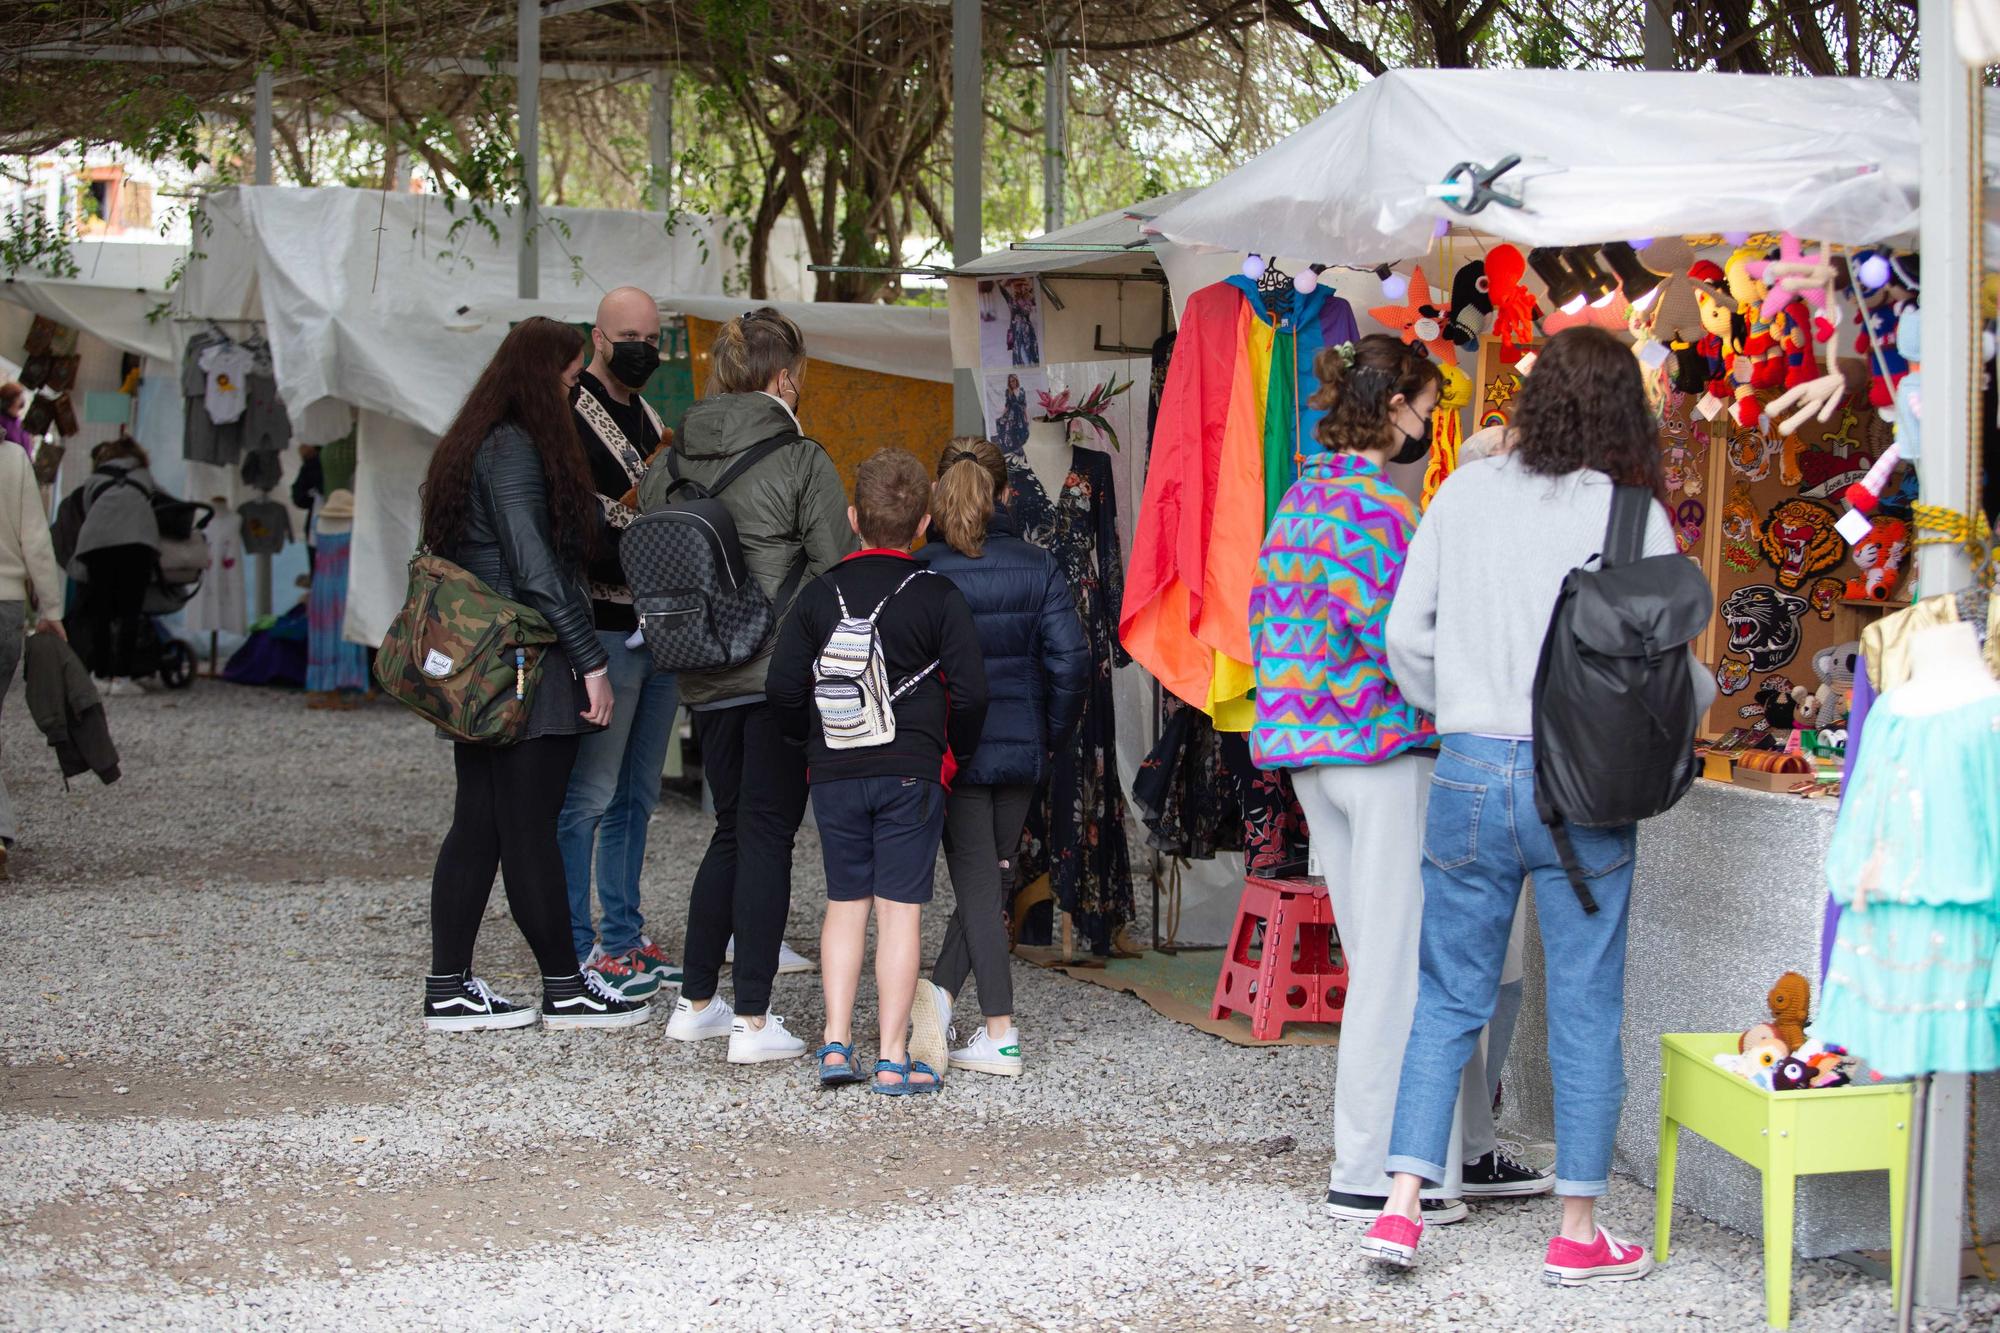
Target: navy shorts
[879,837]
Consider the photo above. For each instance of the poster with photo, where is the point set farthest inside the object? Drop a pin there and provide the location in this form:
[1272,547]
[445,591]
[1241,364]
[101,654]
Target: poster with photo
[1010,323]
[1008,397]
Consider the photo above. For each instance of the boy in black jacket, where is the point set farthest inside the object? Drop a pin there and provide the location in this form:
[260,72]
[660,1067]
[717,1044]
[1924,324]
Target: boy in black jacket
[880,808]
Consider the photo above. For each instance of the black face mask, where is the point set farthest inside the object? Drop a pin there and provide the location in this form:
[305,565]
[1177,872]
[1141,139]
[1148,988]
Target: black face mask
[1414,446]
[634,363]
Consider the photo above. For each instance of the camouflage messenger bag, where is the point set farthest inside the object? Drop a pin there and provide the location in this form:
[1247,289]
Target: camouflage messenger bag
[461,656]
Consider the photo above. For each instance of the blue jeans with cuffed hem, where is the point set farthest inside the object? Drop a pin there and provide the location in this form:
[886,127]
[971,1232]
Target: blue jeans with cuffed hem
[1481,838]
[612,792]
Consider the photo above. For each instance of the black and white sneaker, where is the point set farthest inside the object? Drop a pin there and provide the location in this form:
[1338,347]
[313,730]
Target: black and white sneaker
[1368,1207]
[461,1002]
[584,1000]
[1498,1175]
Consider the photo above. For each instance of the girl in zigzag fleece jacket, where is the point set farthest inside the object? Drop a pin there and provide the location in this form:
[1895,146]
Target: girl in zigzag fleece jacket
[1360,753]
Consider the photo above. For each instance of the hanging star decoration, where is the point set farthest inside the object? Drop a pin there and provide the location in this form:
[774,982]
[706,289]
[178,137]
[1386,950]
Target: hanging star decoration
[1513,304]
[1091,410]
[1419,321]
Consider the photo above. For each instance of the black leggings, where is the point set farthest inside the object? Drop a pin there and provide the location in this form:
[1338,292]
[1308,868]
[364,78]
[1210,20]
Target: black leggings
[504,818]
[114,600]
[744,884]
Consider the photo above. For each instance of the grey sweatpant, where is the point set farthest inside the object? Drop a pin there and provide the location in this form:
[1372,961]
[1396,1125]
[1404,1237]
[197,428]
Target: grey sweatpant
[982,828]
[1367,827]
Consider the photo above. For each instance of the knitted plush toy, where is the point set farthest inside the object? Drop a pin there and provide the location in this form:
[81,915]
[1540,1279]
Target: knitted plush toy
[1791,1003]
[631,498]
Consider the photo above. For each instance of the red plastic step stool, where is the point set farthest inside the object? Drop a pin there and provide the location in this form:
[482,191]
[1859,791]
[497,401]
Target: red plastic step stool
[1298,975]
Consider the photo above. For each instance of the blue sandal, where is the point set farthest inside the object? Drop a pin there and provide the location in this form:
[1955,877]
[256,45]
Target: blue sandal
[891,1089]
[914,1068]
[834,1076]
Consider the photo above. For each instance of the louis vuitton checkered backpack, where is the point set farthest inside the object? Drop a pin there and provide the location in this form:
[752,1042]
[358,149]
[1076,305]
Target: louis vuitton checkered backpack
[699,607]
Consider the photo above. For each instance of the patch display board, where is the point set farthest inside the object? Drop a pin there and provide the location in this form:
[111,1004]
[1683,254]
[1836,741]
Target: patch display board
[1756,510]
[1787,587]
[854,412]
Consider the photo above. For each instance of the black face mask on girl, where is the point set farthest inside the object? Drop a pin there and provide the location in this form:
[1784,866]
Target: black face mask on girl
[1414,446]
[634,363]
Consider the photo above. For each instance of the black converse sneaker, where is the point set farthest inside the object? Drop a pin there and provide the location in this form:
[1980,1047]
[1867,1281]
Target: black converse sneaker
[585,1000]
[461,1002]
[1498,1175]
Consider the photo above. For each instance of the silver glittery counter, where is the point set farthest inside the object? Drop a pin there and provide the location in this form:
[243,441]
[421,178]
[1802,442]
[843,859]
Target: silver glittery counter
[1729,894]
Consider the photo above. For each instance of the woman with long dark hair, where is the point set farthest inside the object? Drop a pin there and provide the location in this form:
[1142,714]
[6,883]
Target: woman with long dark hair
[508,498]
[1464,637]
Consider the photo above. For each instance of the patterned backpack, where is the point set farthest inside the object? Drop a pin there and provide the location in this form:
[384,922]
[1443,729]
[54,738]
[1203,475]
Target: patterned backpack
[857,708]
[699,607]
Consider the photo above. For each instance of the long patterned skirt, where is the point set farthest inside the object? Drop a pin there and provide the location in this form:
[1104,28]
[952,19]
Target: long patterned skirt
[332,663]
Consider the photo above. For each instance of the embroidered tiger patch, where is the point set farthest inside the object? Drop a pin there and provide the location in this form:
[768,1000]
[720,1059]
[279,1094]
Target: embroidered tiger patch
[1799,540]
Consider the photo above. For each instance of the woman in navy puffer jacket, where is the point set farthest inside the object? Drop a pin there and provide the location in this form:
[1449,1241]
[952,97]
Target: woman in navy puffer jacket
[1037,674]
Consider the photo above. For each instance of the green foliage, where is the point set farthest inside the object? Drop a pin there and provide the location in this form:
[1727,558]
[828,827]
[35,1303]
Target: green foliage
[30,242]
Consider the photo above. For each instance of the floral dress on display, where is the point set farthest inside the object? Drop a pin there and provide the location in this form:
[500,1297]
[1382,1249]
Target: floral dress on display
[1076,825]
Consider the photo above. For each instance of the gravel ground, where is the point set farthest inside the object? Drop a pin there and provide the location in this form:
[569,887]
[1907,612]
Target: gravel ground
[217,1110]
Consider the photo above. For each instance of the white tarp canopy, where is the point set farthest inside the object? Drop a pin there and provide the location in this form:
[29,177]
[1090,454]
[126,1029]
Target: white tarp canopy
[1606,155]
[1105,235]
[119,294]
[360,292]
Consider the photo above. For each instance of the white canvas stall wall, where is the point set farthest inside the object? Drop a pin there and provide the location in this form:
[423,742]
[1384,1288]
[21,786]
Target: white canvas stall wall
[390,459]
[361,294]
[118,295]
[1606,155]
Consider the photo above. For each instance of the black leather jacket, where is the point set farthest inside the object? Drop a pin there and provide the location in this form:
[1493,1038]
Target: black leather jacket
[507,543]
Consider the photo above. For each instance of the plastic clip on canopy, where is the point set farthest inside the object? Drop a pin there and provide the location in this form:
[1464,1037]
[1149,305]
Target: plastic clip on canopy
[1468,187]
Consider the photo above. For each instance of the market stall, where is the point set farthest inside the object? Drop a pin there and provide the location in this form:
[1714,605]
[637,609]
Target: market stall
[1656,216]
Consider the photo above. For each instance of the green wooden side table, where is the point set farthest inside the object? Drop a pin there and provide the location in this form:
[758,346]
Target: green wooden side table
[1784,1135]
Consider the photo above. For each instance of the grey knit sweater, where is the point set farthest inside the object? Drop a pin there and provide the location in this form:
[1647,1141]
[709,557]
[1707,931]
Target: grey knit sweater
[1483,574]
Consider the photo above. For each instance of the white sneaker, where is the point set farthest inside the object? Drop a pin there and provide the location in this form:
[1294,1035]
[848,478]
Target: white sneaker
[789,959]
[753,1046]
[987,1056]
[691,1024]
[112,688]
[930,1026]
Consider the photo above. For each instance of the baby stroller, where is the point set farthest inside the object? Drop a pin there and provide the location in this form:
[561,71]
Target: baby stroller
[176,579]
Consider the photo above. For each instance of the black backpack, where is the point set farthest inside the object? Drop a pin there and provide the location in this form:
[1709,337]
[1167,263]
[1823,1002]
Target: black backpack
[1614,701]
[699,607]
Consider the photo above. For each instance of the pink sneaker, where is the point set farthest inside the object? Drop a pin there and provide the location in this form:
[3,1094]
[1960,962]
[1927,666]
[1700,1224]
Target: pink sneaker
[1393,1240]
[1605,1259]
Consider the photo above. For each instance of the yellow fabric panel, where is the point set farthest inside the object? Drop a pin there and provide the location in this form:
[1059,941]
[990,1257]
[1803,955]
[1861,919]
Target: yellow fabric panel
[855,412]
[1229,702]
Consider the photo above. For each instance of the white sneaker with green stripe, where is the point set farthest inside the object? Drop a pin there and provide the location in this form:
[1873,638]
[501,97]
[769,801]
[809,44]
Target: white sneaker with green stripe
[990,1055]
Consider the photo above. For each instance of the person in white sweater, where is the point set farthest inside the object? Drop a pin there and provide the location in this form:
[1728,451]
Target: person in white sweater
[28,577]
[1464,637]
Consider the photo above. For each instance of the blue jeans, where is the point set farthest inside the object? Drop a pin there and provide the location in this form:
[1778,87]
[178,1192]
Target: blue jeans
[612,792]
[1481,838]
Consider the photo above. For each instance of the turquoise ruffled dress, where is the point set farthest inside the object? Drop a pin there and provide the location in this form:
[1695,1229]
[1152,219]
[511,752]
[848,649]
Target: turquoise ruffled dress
[1914,983]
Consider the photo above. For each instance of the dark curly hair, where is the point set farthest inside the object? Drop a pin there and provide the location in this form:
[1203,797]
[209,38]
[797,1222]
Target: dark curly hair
[522,384]
[1584,406]
[1356,398]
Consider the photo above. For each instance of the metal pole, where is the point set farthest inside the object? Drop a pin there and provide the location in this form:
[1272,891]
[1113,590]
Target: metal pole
[1659,35]
[1947,98]
[528,103]
[261,129]
[660,140]
[261,137]
[1055,105]
[968,186]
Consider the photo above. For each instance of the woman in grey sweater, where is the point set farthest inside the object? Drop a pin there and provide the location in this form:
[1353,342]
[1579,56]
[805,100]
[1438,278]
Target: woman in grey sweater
[1464,637]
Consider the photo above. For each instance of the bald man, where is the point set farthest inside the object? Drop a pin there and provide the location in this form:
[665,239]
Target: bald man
[616,781]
